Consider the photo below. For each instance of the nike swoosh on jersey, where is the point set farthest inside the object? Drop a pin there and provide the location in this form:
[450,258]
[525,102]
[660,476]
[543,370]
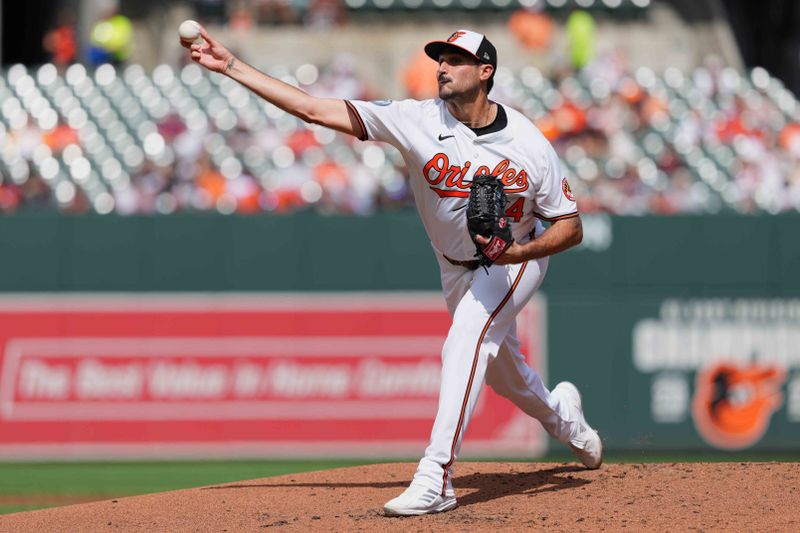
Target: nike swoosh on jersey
[443,137]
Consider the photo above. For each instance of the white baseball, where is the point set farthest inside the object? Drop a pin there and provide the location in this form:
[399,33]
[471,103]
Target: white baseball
[189,30]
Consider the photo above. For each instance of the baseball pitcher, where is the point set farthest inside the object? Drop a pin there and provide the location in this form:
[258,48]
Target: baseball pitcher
[484,178]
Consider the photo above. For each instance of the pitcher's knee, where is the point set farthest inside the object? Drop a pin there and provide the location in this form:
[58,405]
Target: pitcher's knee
[498,385]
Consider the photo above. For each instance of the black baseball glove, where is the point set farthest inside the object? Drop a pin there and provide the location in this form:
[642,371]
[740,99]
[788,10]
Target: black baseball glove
[486,210]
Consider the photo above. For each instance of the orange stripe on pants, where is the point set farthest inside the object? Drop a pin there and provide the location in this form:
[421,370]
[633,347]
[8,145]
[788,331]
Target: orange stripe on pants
[472,374]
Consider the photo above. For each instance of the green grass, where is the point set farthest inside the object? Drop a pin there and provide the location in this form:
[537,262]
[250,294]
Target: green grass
[104,480]
[25,486]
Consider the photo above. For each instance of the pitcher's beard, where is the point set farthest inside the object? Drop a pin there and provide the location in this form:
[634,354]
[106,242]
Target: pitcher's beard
[447,95]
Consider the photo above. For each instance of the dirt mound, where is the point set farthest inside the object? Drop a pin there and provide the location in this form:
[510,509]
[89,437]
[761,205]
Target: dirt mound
[500,496]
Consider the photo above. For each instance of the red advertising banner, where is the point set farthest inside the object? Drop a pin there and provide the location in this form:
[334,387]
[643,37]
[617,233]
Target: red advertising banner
[238,375]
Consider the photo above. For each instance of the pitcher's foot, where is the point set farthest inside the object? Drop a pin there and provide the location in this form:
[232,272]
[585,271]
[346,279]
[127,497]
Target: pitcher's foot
[418,500]
[586,445]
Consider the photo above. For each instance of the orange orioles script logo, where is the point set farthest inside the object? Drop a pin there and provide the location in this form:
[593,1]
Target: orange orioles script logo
[734,402]
[449,180]
[456,35]
[567,190]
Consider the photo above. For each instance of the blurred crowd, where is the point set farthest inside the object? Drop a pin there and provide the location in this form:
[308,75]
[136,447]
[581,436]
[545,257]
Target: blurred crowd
[133,143]
[641,142]
[631,141]
[242,15]
[113,138]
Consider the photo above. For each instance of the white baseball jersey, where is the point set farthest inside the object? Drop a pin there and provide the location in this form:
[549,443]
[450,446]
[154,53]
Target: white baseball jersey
[443,155]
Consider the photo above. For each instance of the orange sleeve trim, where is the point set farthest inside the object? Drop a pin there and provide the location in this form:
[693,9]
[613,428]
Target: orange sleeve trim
[560,217]
[354,111]
[502,304]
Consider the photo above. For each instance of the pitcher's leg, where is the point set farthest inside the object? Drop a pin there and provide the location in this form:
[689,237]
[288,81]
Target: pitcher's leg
[480,324]
[560,411]
[511,377]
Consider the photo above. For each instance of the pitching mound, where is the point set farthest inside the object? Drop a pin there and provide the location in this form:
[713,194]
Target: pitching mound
[497,496]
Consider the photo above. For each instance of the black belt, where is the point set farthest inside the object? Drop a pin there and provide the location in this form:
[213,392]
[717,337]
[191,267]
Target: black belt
[471,265]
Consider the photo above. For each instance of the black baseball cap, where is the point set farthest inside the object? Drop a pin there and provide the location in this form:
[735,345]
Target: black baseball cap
[475,44]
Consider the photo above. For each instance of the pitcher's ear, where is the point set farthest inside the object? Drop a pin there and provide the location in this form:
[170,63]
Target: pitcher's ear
[486,71]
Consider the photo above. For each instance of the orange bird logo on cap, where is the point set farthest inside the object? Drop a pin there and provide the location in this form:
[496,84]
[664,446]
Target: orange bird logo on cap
[456,35]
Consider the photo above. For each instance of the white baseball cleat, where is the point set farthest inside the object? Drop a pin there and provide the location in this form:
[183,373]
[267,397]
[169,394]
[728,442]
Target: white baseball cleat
[586,444]
[417,500]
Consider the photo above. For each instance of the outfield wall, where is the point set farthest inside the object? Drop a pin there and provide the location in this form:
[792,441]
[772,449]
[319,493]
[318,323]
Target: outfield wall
[682,332]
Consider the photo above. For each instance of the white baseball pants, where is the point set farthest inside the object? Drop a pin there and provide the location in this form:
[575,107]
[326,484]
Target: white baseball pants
[482,345]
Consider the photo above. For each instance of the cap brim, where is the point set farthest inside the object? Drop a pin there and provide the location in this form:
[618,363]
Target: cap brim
[434,48]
